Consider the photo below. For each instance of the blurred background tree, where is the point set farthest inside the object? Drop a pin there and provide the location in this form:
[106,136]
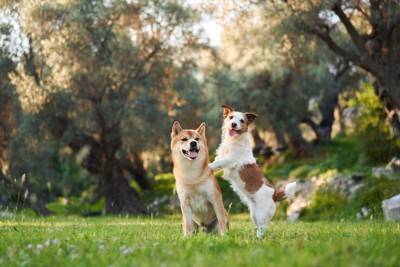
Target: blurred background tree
[98,79]
[364,33]
[283,74]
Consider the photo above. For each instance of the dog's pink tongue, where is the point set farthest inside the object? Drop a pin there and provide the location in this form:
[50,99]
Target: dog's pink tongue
[192,153]
[232,133]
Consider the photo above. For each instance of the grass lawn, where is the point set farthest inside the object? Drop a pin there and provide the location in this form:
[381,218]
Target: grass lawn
[114,241]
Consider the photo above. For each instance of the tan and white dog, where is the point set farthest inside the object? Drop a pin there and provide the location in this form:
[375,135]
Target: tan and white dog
[235,157]
[198,190]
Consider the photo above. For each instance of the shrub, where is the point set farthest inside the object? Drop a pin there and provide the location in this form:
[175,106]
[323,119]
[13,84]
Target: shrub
[326,205]
[372,129]
[371,195]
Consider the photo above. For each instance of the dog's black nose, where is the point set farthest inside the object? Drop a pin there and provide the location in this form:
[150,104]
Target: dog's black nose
[234,124]
[193,144]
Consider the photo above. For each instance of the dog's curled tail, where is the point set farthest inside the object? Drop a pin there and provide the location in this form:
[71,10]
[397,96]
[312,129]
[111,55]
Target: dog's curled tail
[289,191]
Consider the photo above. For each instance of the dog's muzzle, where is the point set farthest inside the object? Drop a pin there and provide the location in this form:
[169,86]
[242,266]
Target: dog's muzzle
[192,152]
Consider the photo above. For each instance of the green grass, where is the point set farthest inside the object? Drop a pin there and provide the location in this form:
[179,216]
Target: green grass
[114,241]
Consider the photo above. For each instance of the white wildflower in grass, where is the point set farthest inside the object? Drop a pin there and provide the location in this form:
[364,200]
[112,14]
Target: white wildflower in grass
[155,244]
[59,251]
[127,251]
[39,246]
[47,243]
[101,246]
[29,246]
[122,248]
[1,261]
[64,201]
[56,241]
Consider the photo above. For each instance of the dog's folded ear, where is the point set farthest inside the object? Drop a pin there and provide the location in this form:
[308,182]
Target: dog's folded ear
[250,117]
[202,129]
[176,129]
[227,110]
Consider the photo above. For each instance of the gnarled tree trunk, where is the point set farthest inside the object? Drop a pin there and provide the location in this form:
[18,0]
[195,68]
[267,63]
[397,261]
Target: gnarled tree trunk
[120,197]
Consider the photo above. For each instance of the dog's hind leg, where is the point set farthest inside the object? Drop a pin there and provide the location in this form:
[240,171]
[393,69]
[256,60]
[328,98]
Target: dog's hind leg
[262,217]
[255,218]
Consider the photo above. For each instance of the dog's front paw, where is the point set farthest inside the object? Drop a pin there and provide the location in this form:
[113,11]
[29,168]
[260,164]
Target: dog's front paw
[213,166]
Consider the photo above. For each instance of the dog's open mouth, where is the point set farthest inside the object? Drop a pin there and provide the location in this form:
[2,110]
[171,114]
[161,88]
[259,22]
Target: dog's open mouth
[233,132]
[191,153]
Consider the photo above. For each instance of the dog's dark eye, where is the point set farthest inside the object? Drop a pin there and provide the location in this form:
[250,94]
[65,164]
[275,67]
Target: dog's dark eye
[242,121]
[197,139]
[184,139]
[230,117]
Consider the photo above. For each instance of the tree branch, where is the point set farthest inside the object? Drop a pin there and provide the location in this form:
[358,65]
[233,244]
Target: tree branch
[355,36]
[324,36]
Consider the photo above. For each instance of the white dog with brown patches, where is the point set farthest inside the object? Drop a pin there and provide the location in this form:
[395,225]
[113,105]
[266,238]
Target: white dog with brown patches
[198,190]
[235,157]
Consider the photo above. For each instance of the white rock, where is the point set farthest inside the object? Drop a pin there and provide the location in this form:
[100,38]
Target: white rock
[380,172]
[391,208]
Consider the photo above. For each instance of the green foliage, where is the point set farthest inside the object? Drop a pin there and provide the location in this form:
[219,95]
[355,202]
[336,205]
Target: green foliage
[164,184]
[65,206]
[158,242]
[371,195]
[343,155]
[372,129]
[326,205]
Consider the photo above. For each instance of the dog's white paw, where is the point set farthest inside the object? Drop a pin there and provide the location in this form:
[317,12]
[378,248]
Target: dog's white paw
[213,166]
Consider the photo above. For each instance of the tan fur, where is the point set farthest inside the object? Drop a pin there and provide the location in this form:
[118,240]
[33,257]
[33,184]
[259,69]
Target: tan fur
[198,190]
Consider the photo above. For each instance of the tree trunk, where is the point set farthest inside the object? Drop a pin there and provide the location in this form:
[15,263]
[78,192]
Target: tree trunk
[327,109]
[133,163]
[282,144]
[391,104]
[300,147]
[120,197]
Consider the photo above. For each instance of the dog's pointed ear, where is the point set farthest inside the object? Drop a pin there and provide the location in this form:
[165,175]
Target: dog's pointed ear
[176,129]
[250,117]
[202,129]
[227,110]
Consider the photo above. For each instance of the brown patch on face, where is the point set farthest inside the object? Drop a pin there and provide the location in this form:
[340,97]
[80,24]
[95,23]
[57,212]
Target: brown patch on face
[243,122]
[245,126]
[253,178]
[250,117]
[227,110]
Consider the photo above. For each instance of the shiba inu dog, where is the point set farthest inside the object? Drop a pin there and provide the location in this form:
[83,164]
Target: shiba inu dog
[198,190]
[235,157]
